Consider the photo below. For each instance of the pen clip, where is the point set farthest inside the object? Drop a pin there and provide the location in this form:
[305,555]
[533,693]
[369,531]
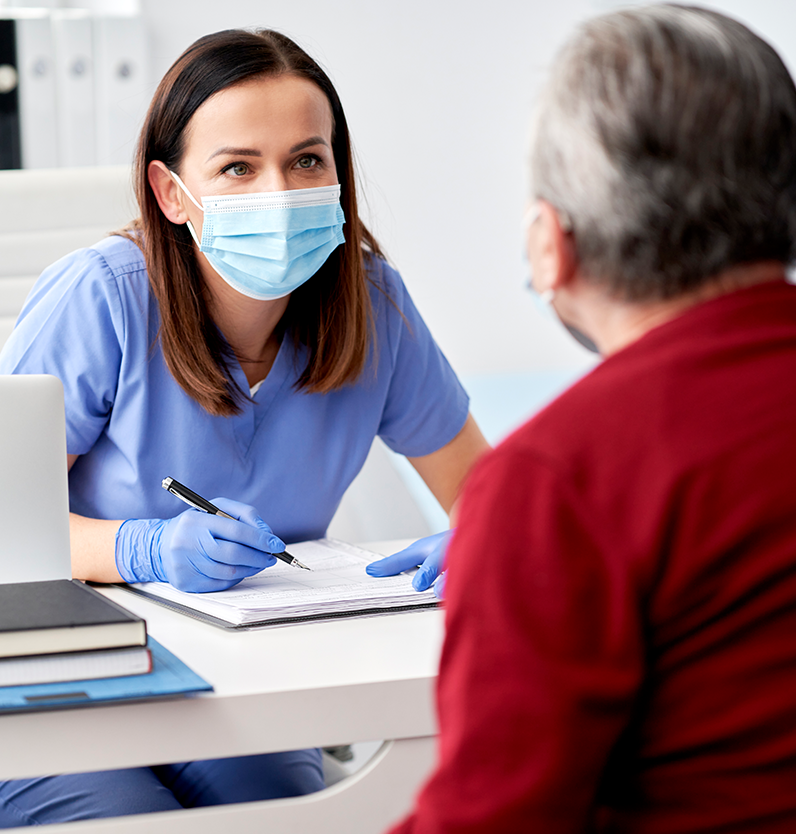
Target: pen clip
[185,499]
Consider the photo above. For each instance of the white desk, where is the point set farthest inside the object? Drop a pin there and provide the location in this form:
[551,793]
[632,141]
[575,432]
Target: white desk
[311,685]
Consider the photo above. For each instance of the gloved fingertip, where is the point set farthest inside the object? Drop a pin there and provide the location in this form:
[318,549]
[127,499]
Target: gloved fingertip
[420,581]
[267,561]
[374,569]
[276,545]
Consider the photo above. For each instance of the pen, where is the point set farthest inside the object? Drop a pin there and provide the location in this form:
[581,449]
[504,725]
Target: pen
[194,500]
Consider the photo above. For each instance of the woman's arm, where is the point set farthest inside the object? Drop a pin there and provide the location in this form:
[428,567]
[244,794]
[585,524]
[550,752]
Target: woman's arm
[93,545]
[193,551]
[445,470]
[94,540]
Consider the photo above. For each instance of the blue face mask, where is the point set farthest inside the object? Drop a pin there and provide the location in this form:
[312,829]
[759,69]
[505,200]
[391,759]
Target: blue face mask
[266,245]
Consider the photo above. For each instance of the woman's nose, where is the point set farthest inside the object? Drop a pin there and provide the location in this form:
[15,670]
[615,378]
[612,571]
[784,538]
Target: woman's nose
[273,181]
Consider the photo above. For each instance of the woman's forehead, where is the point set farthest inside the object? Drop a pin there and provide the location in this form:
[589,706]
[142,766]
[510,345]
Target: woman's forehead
[281,110]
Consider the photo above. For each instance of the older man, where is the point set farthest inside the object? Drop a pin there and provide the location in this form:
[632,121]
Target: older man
[621,645]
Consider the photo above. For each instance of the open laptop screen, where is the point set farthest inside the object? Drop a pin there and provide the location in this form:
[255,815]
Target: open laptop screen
[34,498]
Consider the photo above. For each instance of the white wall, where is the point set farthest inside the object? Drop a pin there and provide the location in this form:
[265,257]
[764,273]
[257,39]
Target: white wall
[438,94]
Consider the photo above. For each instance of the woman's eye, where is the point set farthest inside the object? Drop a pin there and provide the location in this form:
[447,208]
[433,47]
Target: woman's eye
[237,169]
[307,162]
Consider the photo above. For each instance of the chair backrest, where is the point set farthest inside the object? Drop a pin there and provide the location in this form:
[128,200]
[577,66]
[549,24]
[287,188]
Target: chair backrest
[46,214]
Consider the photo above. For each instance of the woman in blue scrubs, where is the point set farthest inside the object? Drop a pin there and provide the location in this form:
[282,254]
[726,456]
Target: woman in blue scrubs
[246,337]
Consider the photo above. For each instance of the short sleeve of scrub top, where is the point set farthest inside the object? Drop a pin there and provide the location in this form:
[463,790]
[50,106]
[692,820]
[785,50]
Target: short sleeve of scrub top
[91,321]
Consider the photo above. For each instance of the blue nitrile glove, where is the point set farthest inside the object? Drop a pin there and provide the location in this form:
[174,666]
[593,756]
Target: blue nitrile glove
[197,551]
[429,553]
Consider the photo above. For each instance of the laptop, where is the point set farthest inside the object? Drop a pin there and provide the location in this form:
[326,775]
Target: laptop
[34,497]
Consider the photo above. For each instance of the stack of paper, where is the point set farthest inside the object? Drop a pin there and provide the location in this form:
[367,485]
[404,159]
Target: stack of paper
[336,586]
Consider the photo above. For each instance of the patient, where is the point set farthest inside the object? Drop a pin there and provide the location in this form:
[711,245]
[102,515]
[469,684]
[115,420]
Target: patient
[625,659]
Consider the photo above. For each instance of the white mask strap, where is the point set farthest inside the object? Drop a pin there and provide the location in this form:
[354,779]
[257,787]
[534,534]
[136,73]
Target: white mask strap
[193,233]
[185,189]
[531,215]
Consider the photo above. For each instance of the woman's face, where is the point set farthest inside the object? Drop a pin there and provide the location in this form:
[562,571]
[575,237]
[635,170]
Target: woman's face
[267,134]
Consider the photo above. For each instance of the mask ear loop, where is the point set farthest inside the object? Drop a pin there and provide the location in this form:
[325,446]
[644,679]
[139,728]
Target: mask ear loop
[193,200]
[532,214]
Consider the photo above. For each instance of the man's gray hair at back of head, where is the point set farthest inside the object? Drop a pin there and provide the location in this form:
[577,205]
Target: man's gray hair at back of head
[667,134]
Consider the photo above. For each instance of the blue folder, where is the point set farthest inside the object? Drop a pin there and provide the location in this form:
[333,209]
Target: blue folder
[169,677]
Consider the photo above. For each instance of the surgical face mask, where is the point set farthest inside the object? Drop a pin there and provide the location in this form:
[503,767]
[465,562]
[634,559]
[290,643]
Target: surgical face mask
[267,245]
[543,302]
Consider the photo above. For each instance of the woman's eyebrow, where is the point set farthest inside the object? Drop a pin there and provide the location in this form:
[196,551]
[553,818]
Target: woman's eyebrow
[230,151]
[234,152]
[308,143]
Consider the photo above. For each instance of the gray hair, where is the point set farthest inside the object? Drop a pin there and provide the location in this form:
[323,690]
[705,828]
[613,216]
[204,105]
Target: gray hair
[667,135]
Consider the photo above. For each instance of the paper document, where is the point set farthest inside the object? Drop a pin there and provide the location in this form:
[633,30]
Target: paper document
[336,585]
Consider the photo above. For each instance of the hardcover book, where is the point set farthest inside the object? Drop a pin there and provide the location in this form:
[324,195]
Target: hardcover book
[75,666]
[63,615]
[169,678]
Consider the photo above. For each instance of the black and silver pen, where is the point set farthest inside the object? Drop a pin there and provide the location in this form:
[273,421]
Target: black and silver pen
[194,500]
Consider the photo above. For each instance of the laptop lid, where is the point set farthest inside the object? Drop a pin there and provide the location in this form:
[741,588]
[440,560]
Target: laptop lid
[34,495]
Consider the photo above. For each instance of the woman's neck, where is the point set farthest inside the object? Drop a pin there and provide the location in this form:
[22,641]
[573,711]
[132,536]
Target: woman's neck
[249,325]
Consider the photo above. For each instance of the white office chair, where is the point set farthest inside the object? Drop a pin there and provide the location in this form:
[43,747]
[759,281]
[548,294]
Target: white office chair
[46,214]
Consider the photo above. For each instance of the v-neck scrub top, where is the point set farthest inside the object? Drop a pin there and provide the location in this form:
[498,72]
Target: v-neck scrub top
[92,321]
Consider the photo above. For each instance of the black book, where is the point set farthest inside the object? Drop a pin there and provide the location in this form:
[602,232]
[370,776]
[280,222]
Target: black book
[63,615]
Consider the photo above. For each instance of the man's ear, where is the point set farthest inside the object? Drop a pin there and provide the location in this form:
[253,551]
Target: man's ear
[166,192]
[553,257]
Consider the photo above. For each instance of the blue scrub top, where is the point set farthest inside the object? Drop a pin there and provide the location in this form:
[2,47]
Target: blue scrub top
[91,321]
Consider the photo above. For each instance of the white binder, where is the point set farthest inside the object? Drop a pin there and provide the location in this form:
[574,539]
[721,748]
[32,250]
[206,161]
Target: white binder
[74,79]
[10,152]
[36,91]
[122,92]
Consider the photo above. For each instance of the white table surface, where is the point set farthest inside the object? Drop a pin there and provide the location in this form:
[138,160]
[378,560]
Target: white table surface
[314,684]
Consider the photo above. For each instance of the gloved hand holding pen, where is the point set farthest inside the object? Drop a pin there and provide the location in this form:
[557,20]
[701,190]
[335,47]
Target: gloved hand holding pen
[197,551]
[428,553]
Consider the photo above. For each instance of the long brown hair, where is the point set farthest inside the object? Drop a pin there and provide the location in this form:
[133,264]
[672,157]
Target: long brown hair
[331,314]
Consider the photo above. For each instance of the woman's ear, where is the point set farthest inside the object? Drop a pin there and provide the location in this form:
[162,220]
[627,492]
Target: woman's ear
[551,249]
[166,192]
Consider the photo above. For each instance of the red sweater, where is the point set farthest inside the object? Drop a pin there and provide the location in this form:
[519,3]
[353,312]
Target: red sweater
[621,626]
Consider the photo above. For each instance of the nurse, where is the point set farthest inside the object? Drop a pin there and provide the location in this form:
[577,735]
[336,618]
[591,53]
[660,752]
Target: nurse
[245,336]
